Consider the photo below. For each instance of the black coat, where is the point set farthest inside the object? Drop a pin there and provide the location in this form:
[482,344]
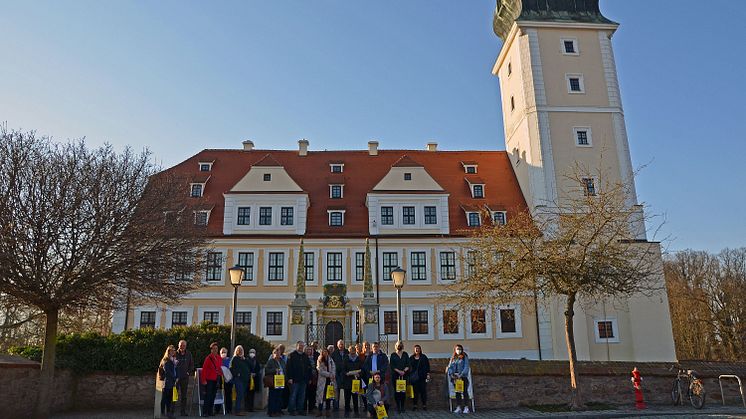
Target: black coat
[184,364]
[298,367]
[167,373]
[350,365]
[339,361]
[399,363]
[419,368]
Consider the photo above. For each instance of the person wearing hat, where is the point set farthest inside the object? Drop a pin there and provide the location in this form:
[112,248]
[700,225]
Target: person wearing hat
[254,369]
[211,370]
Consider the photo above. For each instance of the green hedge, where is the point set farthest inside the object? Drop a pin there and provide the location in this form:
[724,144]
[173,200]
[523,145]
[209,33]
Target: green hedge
[139,351]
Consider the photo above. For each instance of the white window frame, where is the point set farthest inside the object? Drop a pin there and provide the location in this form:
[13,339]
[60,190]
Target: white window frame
[381,330]
[428,269]
[203,309]
[285,323]
[279,219]
[170,315]
[488,324]
[614,326]
[504,213]
[410,322]
[200,164]
[581,80]
[341,190]
[253,310]
[325,261]
[457,265]
[207,217]
[329,215]
[224,270]
[498,322]
[341,166]
[353,252]
[574,44]
[138,310]
[398,252]
[467,166]
[201,192]
[316,265]
[484,190]
[468,224]
[251,216]
[461,324]
[575,131]
[254,270]
[285,267]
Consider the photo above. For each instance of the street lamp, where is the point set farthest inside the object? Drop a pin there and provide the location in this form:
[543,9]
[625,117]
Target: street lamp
[398,275]
[236,274]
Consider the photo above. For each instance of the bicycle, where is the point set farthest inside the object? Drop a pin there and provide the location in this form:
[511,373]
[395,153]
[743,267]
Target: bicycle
[695,389]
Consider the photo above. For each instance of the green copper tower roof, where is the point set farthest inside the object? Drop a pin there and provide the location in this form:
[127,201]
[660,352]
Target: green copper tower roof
[562,11]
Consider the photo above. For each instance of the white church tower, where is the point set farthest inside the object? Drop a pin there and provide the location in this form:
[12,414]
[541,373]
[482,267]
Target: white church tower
[561,108]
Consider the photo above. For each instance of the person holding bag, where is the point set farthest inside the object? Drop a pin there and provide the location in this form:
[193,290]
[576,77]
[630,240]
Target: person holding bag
[275,367]
[458,370]
[211,371]
[378,394]
[399,372]
[167,374]
[327,376]
[419,376]
[254,371]
[241,375]
[351,372]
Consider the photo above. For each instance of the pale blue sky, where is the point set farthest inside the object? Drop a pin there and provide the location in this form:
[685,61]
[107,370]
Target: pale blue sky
[180,76]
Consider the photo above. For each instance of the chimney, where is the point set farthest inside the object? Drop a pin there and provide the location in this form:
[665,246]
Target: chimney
[248,145]
[372,148]
[432,146]
[302,147]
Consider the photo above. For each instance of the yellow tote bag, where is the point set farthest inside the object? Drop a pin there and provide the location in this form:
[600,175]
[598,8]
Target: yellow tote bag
[279,381]
[233,394]
[401,386]
[251,384]
[356,386]
[459,385]
[176,395]
[370,380]
[329,392]
[381,412]
[410,391]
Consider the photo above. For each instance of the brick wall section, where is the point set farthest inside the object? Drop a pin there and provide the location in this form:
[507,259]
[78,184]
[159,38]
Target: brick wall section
[497,384]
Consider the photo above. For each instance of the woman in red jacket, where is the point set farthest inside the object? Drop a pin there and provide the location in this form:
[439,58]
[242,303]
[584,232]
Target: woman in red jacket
[211,370]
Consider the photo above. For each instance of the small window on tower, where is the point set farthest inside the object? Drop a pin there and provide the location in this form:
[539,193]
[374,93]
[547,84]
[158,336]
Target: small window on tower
[589,186]
[575,83]
[570,46]
[582,136]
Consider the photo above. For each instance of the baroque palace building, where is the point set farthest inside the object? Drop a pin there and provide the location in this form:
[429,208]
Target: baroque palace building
[415,209]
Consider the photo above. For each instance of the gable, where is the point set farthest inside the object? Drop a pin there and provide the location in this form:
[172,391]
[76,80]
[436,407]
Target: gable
[395,180]
[253,181]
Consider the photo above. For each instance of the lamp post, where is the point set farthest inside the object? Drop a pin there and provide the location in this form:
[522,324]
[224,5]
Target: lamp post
[398,275]
[236,274]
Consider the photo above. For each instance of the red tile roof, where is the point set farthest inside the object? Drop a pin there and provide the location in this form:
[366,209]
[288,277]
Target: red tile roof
[406,161]
[361,173]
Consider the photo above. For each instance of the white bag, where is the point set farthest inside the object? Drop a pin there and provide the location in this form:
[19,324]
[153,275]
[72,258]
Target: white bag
[227,376]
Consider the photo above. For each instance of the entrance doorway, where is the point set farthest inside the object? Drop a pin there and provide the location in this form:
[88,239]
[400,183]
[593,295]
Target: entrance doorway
[333,332]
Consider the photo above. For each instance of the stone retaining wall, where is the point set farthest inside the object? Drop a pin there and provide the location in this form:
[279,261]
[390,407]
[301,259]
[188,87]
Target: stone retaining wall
[497,384]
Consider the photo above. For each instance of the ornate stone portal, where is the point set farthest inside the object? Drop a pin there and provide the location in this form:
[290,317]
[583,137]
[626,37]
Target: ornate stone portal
[334,308]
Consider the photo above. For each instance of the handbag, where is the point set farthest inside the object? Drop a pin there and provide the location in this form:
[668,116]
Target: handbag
[269,381]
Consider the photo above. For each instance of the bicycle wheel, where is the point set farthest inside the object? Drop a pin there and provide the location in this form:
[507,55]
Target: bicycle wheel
[675,396]
[697,394]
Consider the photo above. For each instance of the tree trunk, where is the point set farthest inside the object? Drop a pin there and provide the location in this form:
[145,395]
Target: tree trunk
[46,378]
[576,401]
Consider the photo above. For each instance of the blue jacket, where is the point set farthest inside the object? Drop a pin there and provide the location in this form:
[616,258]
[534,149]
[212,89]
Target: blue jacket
[459,366]
[382,363]
[167,373]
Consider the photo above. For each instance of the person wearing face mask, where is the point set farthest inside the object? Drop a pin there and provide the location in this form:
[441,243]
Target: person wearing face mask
[167,374]
[254,370]
[399,371]
[458,367]
[211,372]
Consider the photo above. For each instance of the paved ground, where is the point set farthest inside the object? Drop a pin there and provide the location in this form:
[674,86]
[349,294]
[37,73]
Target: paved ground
[523,413]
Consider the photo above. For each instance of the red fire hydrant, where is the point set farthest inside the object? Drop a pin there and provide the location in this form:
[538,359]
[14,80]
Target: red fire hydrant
[637,383]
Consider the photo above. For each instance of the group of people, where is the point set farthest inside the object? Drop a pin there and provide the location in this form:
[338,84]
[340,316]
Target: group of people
[311,379]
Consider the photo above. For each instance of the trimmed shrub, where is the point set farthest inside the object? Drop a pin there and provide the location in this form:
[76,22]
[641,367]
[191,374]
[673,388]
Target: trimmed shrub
[139,351]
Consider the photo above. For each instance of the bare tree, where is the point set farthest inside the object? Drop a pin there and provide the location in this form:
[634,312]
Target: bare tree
[586,248]
[84,227]
[706,295]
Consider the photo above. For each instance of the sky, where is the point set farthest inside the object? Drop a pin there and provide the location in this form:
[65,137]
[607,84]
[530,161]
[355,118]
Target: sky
[177,77]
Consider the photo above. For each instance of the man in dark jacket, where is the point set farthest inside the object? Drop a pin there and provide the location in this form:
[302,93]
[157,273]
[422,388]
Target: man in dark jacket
[377,361]
[298,374]
[184,370]
[339,355]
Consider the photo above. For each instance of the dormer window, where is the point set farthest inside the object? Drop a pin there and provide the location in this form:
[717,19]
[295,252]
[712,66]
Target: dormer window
[499,217]
[473,219]
[337,167]
[407,176]
[201,218]
[197,189]
[336,218]
[477,191]
[205,166]
[469,167]
[267,177]
[335,191]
